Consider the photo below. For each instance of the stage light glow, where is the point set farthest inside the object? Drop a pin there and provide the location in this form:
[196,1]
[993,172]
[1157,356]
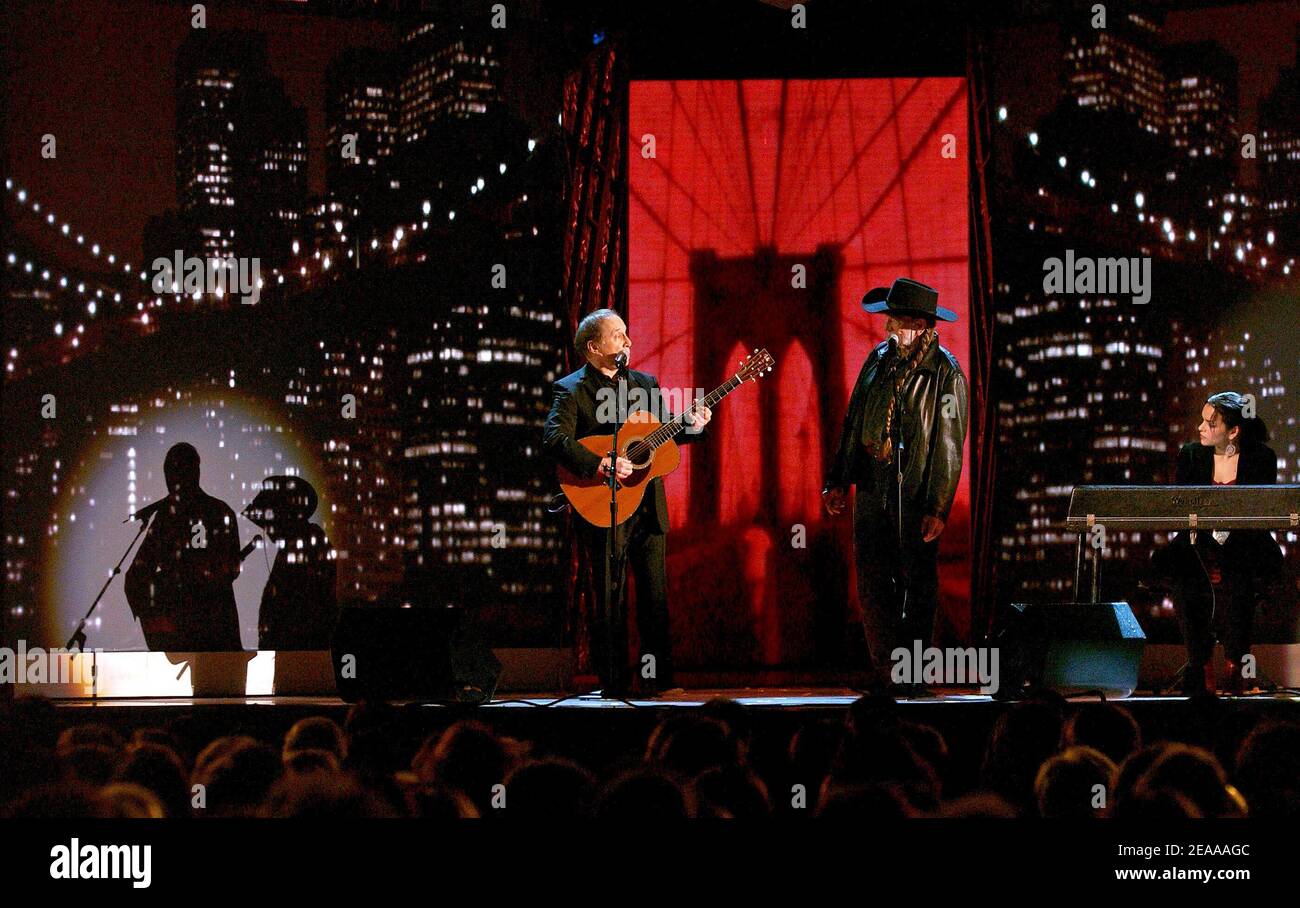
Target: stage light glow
[228,429]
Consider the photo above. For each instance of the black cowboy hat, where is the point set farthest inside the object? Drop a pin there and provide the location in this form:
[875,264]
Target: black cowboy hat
[285,499]
[907,297]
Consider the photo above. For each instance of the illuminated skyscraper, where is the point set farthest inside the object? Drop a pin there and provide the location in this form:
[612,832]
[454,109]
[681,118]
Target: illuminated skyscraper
[476,377]
[344,397]
[1202,91]
[241,147]
[1118,66]
[450,73]
[277,149]
[1279,153]
[361,119]
[1081,402]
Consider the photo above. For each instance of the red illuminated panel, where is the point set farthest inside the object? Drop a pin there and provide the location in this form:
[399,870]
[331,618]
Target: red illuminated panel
[773,170]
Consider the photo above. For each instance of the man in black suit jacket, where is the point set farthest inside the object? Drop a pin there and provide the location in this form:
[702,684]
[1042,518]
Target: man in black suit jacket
[577,412]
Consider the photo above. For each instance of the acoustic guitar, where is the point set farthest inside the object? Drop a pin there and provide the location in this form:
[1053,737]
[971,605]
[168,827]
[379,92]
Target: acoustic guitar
[649,444]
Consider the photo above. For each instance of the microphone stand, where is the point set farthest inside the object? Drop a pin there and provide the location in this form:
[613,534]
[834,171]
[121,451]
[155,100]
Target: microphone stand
[611,548]
[78,639]
[904,569]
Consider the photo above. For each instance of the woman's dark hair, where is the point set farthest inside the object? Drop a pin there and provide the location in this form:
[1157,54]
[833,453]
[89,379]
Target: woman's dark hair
[1229,405]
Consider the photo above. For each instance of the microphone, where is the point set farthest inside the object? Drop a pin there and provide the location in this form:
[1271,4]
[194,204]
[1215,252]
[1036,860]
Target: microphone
[148,510]
[620,360]
[248,549]
[893,344]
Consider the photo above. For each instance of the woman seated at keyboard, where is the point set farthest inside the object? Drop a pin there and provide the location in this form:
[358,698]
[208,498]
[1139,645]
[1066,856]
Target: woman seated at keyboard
[1219,579]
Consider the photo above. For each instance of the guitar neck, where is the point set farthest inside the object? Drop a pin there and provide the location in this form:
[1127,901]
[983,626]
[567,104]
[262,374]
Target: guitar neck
[676,424]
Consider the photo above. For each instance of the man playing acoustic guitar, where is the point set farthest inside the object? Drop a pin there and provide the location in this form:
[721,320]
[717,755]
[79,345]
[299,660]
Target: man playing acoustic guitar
[580,408]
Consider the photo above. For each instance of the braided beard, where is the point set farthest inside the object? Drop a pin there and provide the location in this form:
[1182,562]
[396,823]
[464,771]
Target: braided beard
[899,372]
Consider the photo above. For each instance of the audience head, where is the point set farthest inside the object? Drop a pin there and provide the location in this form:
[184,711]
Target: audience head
[734,792]
[159,770]
[1106,727]
[469,757]
[1268,769]
[237,782]
[1078,782]
[93,764]
[1023,737]
[689,745]
[310,759]
[734,715]
[644,793]
[315,733]
[979,805]
[90,734]
[550,788]
[1194,773]
[885,757]
[55,801]
[1134,766]
[812,754]
[434,802]
[128,801]
[856,801]
[218,748]
[324,795]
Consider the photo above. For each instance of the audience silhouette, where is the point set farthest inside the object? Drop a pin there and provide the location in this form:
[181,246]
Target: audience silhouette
[1043,758]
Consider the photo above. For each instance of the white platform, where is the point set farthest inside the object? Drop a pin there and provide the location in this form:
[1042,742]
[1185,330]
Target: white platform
[256,674]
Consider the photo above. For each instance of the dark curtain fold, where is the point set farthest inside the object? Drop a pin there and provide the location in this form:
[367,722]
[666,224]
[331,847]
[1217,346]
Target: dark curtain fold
[983,398]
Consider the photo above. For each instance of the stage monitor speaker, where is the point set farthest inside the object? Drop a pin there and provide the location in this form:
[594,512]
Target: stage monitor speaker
[389,653]
[1070,647]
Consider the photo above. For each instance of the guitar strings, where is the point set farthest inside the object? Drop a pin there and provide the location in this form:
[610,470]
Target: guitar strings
[675,424]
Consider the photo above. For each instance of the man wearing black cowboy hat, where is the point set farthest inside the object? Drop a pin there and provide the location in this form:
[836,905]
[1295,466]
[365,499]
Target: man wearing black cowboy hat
[901,445]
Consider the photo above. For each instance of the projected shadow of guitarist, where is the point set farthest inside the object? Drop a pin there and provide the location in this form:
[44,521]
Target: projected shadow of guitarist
[179,585]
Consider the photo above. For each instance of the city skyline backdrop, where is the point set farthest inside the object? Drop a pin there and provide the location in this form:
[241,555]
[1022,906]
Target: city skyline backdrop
[451,372]
[1095,160]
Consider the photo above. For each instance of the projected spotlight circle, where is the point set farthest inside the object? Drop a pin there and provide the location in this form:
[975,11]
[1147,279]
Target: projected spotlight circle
[240,440]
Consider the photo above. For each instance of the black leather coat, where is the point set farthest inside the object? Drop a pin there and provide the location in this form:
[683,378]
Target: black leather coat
[934,430]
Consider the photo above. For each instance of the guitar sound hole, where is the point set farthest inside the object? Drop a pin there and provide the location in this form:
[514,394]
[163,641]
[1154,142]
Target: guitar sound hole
[642,458]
